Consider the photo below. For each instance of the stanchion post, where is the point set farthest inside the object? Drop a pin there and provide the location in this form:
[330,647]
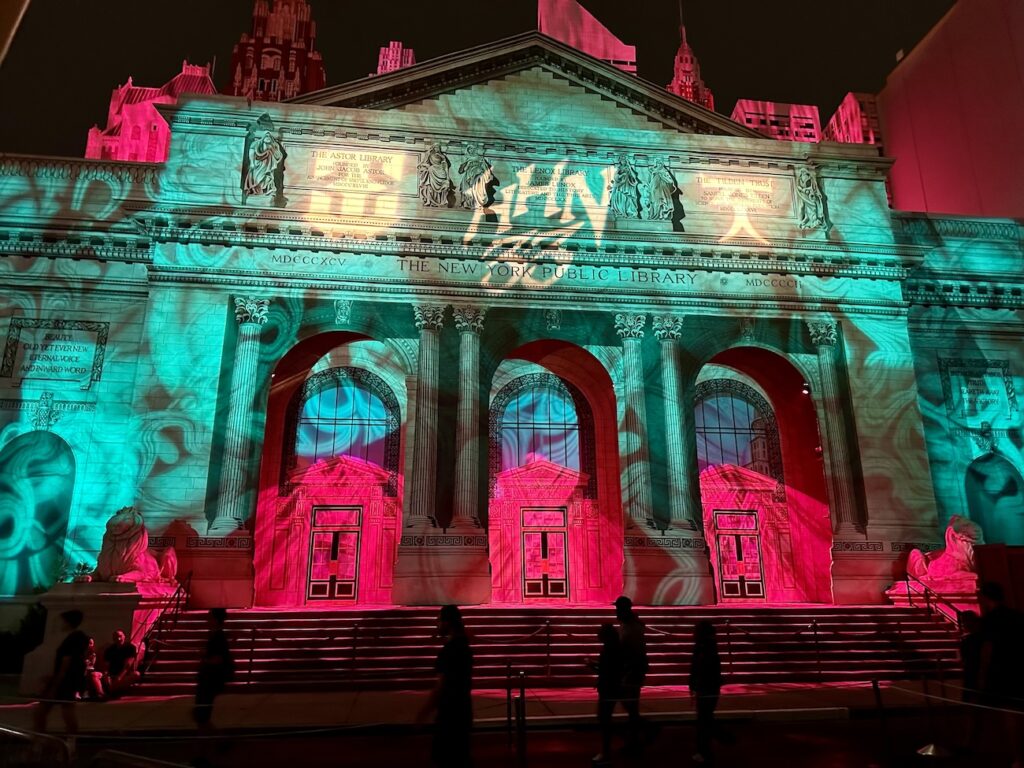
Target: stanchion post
[910,595]
[882,724]
[521,718]
[728,643]
[355,645]
[508,702]
[817,648]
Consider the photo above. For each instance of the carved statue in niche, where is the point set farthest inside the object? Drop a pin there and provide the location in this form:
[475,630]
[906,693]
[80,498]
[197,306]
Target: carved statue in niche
[952,568]
[435,182]
[810,199]
[661,188]
[263,163]
[477,179]
[625,200]
[124,554]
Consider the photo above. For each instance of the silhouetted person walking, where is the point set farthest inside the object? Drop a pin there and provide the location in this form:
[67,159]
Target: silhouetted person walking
[216,668]
[971,646]
[633,636]
[1002,662]
[68,677]
[609,686]
[452,699]
[705,686]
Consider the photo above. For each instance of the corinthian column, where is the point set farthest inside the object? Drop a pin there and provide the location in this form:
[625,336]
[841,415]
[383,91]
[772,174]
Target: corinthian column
[840,475]
[678,424]
[469,321]
[638,471]
[429,321]
[232,506]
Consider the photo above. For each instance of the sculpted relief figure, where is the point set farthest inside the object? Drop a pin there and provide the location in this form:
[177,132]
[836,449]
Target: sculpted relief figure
[124,553]
[625,201]
[810,199]
[263,163]
[661,188]
[477,179]
[951,568]
[435,182]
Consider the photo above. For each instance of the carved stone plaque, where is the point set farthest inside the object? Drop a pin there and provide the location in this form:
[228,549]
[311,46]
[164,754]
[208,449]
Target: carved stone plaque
[54,350]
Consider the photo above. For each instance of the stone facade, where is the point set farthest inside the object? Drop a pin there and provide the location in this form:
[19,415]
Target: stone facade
[168,325]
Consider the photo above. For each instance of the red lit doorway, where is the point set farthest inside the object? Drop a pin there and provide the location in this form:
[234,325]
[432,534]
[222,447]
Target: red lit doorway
[740,566]
[545,563]
[334,554]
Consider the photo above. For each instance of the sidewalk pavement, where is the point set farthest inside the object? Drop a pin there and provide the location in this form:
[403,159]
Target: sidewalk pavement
[290,712]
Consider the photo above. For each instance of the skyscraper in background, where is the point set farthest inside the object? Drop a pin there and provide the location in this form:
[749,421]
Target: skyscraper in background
[787,122]
[395,56]
[278,59]
[686,79]
[572,24]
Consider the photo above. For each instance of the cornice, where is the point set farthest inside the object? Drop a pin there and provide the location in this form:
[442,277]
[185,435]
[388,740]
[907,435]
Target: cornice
[81,244]
[39,166]
[932,229]
[982,294]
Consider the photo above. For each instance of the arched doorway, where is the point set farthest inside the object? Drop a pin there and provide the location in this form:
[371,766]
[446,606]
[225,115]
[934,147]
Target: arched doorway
[37,480]
[995,499]
[330,494]
[554,527]
[766,519]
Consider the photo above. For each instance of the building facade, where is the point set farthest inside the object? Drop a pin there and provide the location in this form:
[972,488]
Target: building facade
[394,56]
[135,130]
[778,120]
[277,59]
[508,326]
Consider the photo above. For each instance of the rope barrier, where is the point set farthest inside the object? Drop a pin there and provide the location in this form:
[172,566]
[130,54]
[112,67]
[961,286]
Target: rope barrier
[959,702]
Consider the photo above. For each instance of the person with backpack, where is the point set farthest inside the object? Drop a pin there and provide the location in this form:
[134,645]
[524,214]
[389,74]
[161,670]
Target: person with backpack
[609,686]
[216,669]
[633,638]
[68,679]
[705,686]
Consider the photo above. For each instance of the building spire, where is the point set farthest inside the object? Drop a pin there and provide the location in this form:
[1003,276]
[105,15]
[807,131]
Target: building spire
[686,79]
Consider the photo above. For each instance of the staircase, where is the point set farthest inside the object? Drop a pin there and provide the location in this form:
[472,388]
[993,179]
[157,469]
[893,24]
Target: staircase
[395,648]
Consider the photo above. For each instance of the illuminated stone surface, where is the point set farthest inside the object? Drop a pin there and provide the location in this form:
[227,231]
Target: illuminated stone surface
[848,388]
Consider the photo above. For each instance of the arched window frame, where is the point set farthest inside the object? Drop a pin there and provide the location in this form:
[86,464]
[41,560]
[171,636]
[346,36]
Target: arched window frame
[336,377]
[731,387]
[584,415]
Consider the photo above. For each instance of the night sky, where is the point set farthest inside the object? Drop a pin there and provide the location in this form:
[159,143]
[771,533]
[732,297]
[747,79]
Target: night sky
[69,54]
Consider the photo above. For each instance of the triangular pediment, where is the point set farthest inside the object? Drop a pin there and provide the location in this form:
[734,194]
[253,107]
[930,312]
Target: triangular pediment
[729,476]
[541,472]
[552,84]
[341,470]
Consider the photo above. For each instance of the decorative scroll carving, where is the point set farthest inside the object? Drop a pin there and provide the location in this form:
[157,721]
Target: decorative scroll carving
[810,199]
[429,316]
[45,414]
[630,326]
[823,332]
[342,311]
[249,309]
[470,318]
[553,319]
[625,199]
[435,183]
[263,163]
[747,329]
[668,327]
[476,190]
[658,200]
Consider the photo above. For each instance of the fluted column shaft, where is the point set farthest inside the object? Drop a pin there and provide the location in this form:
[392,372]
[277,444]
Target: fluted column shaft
[678,421]
[841,493]
[638,471]
[232,506]
[429,321]
[469,321]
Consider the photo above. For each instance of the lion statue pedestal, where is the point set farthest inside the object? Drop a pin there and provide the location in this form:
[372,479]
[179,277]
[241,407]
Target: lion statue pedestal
[950,573]
[127,591]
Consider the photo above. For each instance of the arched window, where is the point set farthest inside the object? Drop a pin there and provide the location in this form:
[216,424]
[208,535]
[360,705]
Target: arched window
[539,416]
[736,425]
[343,412]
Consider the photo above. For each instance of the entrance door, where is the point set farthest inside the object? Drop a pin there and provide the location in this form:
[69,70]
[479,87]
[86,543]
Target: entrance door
[740,569]
[334,553]
[545,565]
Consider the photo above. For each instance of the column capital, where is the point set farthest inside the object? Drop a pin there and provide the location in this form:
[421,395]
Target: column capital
[470,319]
[823,332]
[668,327]
[630,326]
[429,317]
[251,309]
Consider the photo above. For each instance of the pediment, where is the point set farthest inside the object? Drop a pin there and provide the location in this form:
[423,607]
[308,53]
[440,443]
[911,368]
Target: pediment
[341,470]
[542,472]
[731,477]
[552,84]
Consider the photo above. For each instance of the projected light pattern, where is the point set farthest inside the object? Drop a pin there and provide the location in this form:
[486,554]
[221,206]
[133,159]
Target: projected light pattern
[540,423]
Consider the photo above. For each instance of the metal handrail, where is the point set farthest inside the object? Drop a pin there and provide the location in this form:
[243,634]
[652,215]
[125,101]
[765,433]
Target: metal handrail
[31,737]
[931,596]
[168,615]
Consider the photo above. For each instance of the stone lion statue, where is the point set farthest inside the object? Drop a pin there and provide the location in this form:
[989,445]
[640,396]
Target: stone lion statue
[124,554]
[956,561]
